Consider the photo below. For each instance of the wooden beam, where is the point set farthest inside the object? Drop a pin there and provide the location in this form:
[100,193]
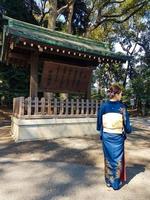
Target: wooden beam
[19,57]
[34,74]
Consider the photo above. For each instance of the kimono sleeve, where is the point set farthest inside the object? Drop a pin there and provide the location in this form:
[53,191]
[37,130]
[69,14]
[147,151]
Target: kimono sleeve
[99,118]
[127,124]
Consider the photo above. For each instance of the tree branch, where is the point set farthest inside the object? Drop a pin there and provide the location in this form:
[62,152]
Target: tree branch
[107,18]
[117,1]
[62,9]
[134,48]
[43,3]
[125,11]
[123,47]
[91,10]
[131,14]
[104,4]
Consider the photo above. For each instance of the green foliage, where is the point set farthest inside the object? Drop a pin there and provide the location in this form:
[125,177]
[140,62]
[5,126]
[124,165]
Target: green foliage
[20,9]
[14,81]
[127,94]
[141,85]
[101,33]
[108,73]
[98,95]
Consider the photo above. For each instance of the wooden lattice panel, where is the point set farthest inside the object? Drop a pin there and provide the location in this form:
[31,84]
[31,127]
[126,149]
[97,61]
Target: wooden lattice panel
[58,77]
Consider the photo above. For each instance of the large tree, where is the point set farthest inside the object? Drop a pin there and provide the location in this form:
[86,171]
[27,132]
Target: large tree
[99,13]
[73,12]
[133,37]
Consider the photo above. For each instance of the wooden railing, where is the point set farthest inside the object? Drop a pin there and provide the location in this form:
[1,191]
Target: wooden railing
[49,108]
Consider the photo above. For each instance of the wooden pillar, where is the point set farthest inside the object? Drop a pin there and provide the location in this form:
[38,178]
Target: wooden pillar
[34,74]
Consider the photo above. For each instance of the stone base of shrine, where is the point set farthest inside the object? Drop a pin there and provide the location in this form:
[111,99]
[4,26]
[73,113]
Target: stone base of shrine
[41,129]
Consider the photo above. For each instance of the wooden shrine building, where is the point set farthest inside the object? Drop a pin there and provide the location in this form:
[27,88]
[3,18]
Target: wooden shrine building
[67,63]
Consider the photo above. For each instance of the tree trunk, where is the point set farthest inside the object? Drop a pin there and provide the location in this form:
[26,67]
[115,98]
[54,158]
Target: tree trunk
[88,31]
[52,14]
[70,14]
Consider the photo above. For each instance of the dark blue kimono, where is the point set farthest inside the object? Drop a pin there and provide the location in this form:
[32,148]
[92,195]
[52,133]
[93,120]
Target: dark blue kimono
[113,124]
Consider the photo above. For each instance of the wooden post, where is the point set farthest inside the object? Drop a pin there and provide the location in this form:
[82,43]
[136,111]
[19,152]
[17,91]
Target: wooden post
[42,105]
[87,106]
[77,104]
[61,107]
[82,106]
[96,109]
[92,107]
[14,106]
[49,106]
[67,106]
[72,106]
[55,106]
[36,103]
[34,75]
[21,106]
[29,105]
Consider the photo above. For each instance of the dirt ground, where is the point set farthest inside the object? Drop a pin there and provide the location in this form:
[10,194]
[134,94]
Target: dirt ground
[80,150]
[71,168]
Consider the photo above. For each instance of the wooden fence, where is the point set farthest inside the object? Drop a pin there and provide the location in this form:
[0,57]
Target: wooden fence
[49,108]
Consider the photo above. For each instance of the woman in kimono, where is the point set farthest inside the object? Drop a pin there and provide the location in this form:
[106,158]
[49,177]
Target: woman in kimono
[113,124]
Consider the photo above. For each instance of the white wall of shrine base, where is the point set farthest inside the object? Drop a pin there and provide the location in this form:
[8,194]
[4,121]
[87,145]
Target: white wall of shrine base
[41,129]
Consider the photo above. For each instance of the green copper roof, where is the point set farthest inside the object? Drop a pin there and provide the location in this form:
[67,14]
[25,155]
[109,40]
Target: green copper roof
[45,36]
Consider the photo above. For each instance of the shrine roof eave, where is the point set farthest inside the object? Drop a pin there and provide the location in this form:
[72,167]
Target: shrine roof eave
[19,30]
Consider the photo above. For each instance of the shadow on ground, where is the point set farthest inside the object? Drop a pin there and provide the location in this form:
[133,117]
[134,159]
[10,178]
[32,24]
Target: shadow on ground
[134,170]
[58,150]
[56,179]
[68,149]
[49,180]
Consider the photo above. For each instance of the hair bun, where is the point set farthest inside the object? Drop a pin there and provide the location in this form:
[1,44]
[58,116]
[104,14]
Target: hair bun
[114,89]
